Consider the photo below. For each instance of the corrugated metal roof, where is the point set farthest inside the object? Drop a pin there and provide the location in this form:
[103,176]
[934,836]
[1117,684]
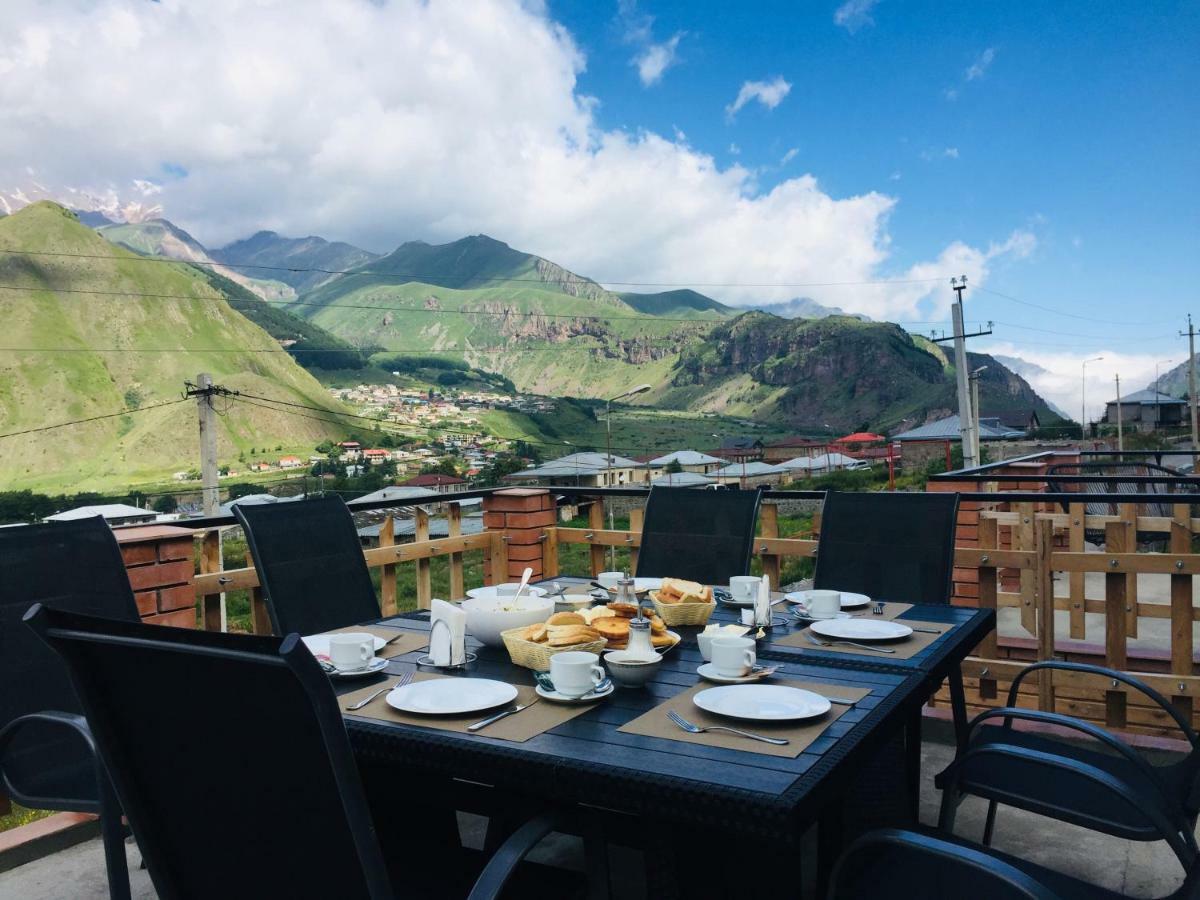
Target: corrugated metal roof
[1150,398]
[106,510]
[686,458]
[947,429]
[682,479]
[749,470]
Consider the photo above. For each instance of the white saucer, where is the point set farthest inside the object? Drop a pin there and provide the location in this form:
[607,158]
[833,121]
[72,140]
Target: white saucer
[591,697]
[850,600]
[377,664]
[709,673]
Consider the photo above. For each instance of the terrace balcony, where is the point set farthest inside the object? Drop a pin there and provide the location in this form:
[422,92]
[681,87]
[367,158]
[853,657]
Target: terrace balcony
[1072,574]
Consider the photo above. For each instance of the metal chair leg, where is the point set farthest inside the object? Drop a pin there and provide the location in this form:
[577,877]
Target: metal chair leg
[958,706]
[112,835]
[595,858]
[949,809]
[990,824]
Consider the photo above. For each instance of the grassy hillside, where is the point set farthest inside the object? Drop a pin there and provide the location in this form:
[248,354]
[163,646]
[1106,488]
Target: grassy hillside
[679,304]
[266,248]
[119,349]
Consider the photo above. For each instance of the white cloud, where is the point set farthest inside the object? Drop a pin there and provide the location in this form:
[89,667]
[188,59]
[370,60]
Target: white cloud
[788,157]
[769,93]
[414,119]
[982,63]
[1063,381]
[654,59]
[854,14]
[944,153]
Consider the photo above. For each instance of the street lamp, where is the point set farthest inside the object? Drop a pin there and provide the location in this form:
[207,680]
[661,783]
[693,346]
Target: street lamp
[1083,398]
[974,379]
[640,389]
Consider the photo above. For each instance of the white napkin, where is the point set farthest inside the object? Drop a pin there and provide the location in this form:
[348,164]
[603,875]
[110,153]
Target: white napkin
[762,604]
[448,646]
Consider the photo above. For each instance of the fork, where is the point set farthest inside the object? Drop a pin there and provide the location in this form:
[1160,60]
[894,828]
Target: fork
[696,729]
[404,679]
[877,609]
[813,639]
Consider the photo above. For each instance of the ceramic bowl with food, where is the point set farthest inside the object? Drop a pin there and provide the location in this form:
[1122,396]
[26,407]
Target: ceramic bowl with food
[630,671]
[505,590]
[488,616]
[572,602]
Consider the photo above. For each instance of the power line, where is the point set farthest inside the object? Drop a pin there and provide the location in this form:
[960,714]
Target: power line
[417,276]
[379,352]
[124,412]
[1059,312]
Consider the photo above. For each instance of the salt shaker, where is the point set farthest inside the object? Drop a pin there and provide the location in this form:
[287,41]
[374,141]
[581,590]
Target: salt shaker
[640,645]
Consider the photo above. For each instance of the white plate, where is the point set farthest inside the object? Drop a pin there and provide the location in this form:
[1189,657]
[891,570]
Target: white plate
[869,629]
[762,702]
[673,635]
[556,697]
[318,644]
[451,696]
[378,664]
[489,592]
[709,673]
[850,600]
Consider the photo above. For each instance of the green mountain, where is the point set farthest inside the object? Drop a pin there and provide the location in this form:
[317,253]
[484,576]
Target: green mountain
[268,249]
[158,237]
[683,303]
[836,371]
[107,332]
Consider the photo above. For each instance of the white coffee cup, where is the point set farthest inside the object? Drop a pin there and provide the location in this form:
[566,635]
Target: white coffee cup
[824,604]
[576,672]
[733,657]
[609,579]
[349,652]
[744,588]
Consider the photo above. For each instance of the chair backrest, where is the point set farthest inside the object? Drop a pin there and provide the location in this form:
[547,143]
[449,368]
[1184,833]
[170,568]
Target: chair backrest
[310,564]
[704,536]
[229,756]
[890,546]
[916,866]
[75,566]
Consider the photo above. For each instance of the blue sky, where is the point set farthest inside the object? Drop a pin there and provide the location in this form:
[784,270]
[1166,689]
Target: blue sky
[1077,121]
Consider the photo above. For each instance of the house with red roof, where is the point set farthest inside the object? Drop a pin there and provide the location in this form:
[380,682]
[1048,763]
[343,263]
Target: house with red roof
[443,484]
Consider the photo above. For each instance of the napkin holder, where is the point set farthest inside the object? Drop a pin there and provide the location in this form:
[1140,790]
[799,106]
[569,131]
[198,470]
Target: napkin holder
[426,661]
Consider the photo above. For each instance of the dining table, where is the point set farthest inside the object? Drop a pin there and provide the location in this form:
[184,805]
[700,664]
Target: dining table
[656,787]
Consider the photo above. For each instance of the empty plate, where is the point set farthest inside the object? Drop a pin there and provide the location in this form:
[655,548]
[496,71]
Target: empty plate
[318,644]
[762,702]
[850,600]
[868,629]
[451,696]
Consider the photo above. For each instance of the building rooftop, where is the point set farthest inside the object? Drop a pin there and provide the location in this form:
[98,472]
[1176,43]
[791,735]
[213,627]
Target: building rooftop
[432,480]
[110,511]
[1150,398]
[947,429]
[686,458]
[747,470]
[682,479]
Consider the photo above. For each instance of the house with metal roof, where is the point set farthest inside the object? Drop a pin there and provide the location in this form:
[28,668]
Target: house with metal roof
[947,429]
[749,474]
[113,513]
[683,480]
[1147,410]
[584,470]
[689,461]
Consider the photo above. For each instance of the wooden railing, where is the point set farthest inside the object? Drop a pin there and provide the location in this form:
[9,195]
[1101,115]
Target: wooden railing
[213,579]
[1023,548]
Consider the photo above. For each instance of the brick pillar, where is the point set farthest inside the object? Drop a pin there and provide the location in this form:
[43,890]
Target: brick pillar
[524,514]
[159,560]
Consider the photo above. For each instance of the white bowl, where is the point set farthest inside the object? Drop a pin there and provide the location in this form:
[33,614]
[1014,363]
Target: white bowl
[630,672]
[573,602]
[504,590]
[488,616]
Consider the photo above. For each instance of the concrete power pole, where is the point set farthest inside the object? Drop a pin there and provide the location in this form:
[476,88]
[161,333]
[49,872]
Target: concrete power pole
[203,390]
[1191,336]
[966,418]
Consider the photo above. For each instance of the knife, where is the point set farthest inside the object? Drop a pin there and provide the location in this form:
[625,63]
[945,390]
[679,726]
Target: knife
[483,723]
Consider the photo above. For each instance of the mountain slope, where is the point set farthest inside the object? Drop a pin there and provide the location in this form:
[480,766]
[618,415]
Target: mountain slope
[117,348]
[804,308]
[680,304]
[1174,382]
[159,237]
[266,248]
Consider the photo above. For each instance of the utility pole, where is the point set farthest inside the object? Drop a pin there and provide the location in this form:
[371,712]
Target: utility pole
[974,380]
[966,418]
[204,390]
[1191,336]
[1120,431]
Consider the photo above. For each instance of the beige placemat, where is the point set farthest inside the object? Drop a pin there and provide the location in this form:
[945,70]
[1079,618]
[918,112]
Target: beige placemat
[528,723]
[399,642]
[905,649]
[799,734]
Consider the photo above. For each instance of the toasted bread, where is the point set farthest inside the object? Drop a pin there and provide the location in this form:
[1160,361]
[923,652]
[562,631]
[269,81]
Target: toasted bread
[625,610]
[566,618]
[612,627]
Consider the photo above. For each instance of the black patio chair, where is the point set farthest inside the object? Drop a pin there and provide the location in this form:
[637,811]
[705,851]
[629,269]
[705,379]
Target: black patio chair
[275,806]
[47,755]
[890,546]
[1104,785]
[310,564]
[919,865]
[704,536]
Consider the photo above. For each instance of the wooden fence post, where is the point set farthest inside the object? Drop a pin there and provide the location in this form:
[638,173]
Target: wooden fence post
[424,580]
[596,523]
[1129,514]
[498,558]
[387,573]
[768,521]
[1181,606]
[1118,538]
[1078,584]
[210,561]
[988,583]
[550,553]
[454,529]
[1045,602]
[1023,539]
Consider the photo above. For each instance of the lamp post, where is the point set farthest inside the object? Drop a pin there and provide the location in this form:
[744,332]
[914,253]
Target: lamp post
[640,389]
[1083,399]
[974,379]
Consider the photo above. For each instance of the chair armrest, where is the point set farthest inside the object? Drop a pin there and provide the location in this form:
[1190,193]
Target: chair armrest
[1177,834]
[503,864]
[73,721]
[1083,727]
[1104,672]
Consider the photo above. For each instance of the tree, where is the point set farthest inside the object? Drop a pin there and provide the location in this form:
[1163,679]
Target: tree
[673,467]
[441,467]
[242,490]
[166,503]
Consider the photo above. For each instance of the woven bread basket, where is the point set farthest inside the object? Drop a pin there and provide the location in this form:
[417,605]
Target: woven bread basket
[536,656]
[682,613]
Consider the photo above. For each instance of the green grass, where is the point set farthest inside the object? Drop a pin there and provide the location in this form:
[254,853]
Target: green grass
[21,816]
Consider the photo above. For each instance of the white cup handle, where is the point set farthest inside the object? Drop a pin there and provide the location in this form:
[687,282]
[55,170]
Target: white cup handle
[366,651]
[598,676]
[749,659]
